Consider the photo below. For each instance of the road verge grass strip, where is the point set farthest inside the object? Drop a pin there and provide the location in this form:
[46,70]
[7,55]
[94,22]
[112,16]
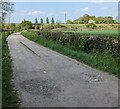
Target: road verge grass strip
[9,96]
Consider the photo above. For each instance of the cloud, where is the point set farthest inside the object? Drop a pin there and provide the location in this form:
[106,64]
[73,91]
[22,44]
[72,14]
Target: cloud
[36,13]
[85,9]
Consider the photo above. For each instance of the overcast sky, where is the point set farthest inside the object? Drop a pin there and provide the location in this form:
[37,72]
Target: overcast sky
[32,10]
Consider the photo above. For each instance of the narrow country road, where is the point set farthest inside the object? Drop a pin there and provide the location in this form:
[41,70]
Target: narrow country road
[45,78]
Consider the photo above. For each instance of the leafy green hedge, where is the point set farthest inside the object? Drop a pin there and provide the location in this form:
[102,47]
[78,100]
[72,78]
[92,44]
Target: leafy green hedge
[84,43]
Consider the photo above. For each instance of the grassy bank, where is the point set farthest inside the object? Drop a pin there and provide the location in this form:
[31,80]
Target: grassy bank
[103,61]
[9,96]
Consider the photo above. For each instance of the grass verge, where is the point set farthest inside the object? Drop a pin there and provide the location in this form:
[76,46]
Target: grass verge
[9,96]
[102,61]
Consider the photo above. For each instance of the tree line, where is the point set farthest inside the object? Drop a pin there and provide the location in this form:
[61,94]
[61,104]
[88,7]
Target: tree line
[98,20]
[41,21]
[7,8]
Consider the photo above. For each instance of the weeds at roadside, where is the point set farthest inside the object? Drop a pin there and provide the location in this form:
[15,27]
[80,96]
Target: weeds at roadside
[9,96]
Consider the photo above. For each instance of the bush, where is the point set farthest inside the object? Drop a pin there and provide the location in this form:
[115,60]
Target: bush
[37,27]
[25,25]
[83,43]
[91,25]
[52,26]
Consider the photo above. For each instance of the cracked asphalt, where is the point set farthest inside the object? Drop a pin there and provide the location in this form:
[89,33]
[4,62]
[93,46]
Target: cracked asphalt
[45,78]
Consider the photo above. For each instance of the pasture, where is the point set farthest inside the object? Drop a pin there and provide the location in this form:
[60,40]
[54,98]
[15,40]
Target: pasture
[102,33]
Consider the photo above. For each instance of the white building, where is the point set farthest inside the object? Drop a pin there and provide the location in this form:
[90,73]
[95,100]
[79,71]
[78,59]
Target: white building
[91,21]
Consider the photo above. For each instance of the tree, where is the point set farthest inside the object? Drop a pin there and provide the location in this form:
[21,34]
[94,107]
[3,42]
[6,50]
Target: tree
[25,24]
[53,20]
[18,27]
[6,27]
[82,20]
[75,21]
[41,21]
[13,26]
[6,7]
[109,19]
[36,21]
[47,20]
[69,22]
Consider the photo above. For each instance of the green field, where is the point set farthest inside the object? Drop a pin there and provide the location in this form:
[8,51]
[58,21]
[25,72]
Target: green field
[83,25]
[104,33]
[101,30]
[73,25]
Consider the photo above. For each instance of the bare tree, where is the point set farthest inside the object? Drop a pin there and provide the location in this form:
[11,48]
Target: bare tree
[6,7]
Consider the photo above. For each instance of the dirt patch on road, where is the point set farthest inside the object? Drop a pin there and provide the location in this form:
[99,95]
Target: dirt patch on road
[41,86]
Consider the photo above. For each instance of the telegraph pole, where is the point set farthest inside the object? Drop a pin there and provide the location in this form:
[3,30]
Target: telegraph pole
[65,16]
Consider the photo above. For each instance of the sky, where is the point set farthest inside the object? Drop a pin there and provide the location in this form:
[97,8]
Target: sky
[65,0]
[31,10]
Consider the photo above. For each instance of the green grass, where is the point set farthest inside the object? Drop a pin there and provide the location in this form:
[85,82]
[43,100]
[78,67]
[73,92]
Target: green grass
[9,96]
[102,61]
[73,25]
[102,33]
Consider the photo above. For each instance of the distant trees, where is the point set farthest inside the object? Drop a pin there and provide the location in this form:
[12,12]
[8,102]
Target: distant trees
[75,21]
[41,21]
[36,24]
[13,26]
[69,22]
[25,24]
[85,18]
[36,21]
[10,27]
[53,20]
[98,20]
[18,27]
[6,27]
[110,20]
[47,20]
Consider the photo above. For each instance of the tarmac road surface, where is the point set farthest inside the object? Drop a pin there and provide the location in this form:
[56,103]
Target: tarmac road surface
[45,78]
